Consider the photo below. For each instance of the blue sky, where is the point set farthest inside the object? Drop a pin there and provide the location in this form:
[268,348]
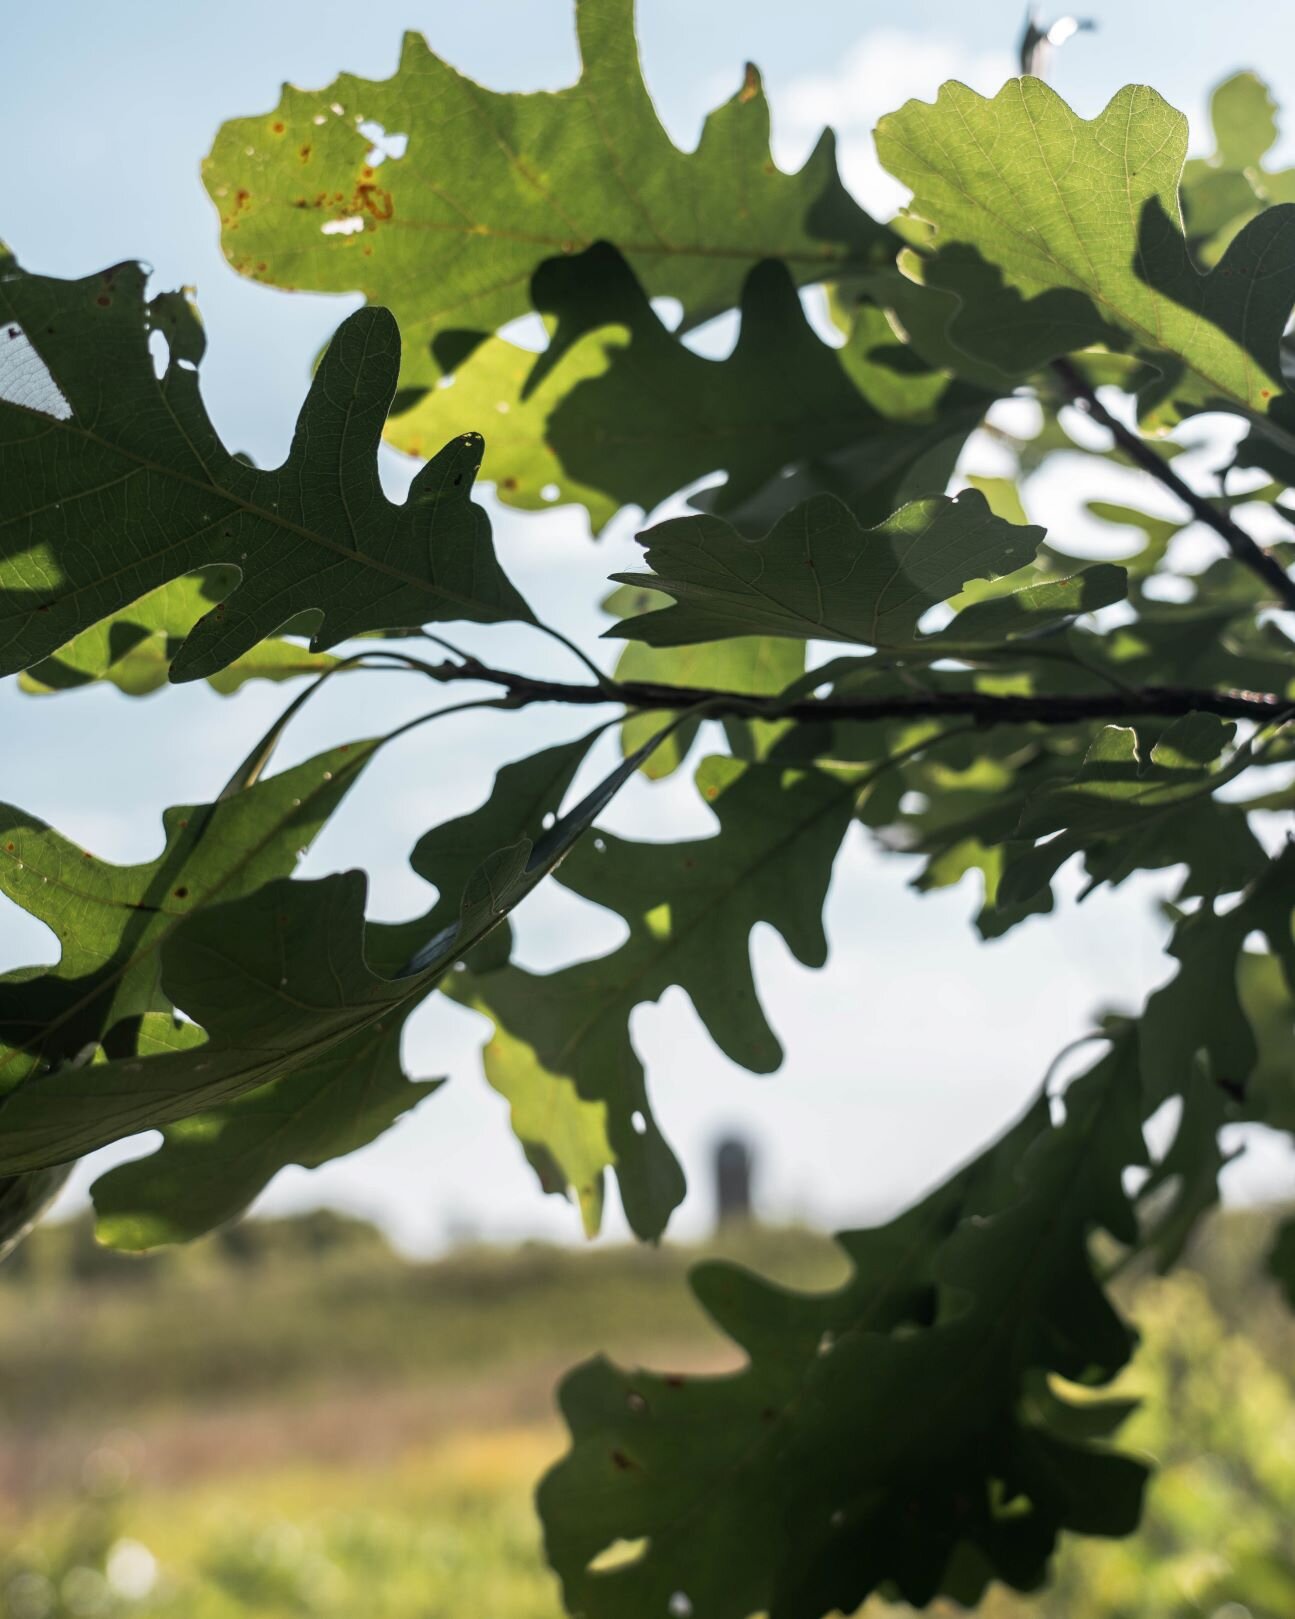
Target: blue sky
[916,1042]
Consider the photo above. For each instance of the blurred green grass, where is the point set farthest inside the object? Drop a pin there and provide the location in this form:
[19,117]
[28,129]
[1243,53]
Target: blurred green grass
[291,1420]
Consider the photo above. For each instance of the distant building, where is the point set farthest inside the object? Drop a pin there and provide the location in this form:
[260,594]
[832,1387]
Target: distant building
[734,1172]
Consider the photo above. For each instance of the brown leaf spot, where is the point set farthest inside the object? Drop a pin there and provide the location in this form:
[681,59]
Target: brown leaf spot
[621,1462]
[278,127]
[374,200]
[11,847]
[305,154]
[674,1380]
[750,83]
[181,893]
[103,300]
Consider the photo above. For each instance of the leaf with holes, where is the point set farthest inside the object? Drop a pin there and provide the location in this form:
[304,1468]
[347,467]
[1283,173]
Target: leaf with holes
[439,198]
[115,483]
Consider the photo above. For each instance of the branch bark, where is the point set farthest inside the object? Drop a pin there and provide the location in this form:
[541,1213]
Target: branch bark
[1065,708]
[1243,548]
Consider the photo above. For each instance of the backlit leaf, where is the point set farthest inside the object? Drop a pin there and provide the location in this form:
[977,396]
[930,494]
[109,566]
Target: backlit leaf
[115,483]
[439,198]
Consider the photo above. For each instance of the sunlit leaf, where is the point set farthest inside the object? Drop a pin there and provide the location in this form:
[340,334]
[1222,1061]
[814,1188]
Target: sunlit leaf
[439,198]
[1056,232]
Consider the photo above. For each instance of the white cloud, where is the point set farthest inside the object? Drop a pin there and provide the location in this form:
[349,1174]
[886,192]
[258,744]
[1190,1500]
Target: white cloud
[881,71]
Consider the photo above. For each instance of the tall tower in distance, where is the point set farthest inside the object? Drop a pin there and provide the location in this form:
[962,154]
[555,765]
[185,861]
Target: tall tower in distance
[734,1173]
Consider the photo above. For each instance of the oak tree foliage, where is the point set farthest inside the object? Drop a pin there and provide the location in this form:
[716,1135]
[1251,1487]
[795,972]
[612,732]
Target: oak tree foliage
[860,633]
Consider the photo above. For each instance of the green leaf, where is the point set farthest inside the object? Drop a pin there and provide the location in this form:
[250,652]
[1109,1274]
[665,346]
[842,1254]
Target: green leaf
[564,1137]
[690,907]
[115,483]
[1057,232]
[211,1165]
[113,922]
[1116,784]
[1038,608]
[759,665]
[1184,1185]
[449,233]
[277,979]
[1281,1260]
[818,575]
[24,1199]
[1220,193]
[1228,1005]
[617,411]
[526,793]
[896,1434]
[134,648]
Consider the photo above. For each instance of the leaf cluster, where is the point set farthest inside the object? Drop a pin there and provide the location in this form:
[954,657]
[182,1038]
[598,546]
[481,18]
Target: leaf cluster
[863,632]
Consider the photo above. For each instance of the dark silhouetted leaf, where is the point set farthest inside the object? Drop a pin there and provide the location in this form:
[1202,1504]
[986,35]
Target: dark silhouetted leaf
[818,574]
[115,483]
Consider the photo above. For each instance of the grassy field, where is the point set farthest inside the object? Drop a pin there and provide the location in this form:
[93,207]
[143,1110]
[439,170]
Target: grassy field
[230,1431]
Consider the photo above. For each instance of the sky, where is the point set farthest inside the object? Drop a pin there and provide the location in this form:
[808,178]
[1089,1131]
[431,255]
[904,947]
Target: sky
[916,1043]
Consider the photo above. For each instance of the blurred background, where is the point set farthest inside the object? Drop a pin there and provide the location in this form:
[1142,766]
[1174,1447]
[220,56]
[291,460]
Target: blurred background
[353,1391]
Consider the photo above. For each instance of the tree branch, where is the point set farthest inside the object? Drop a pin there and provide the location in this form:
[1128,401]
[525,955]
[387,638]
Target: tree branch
[987,708]
[1242,547]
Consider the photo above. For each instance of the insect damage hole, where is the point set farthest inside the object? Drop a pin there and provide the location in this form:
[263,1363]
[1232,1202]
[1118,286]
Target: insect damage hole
[382,146]
[25,379]
[342,227]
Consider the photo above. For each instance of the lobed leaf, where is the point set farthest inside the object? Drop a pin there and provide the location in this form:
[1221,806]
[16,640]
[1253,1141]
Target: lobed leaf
[819,575]
[301,984]
[114,922]
[115,483]
[448,231]
[1056,233]
[690,907]
[617,411]
[910,1432]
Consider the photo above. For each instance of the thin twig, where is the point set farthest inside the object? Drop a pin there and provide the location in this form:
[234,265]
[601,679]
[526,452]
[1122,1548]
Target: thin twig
[1242,547]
